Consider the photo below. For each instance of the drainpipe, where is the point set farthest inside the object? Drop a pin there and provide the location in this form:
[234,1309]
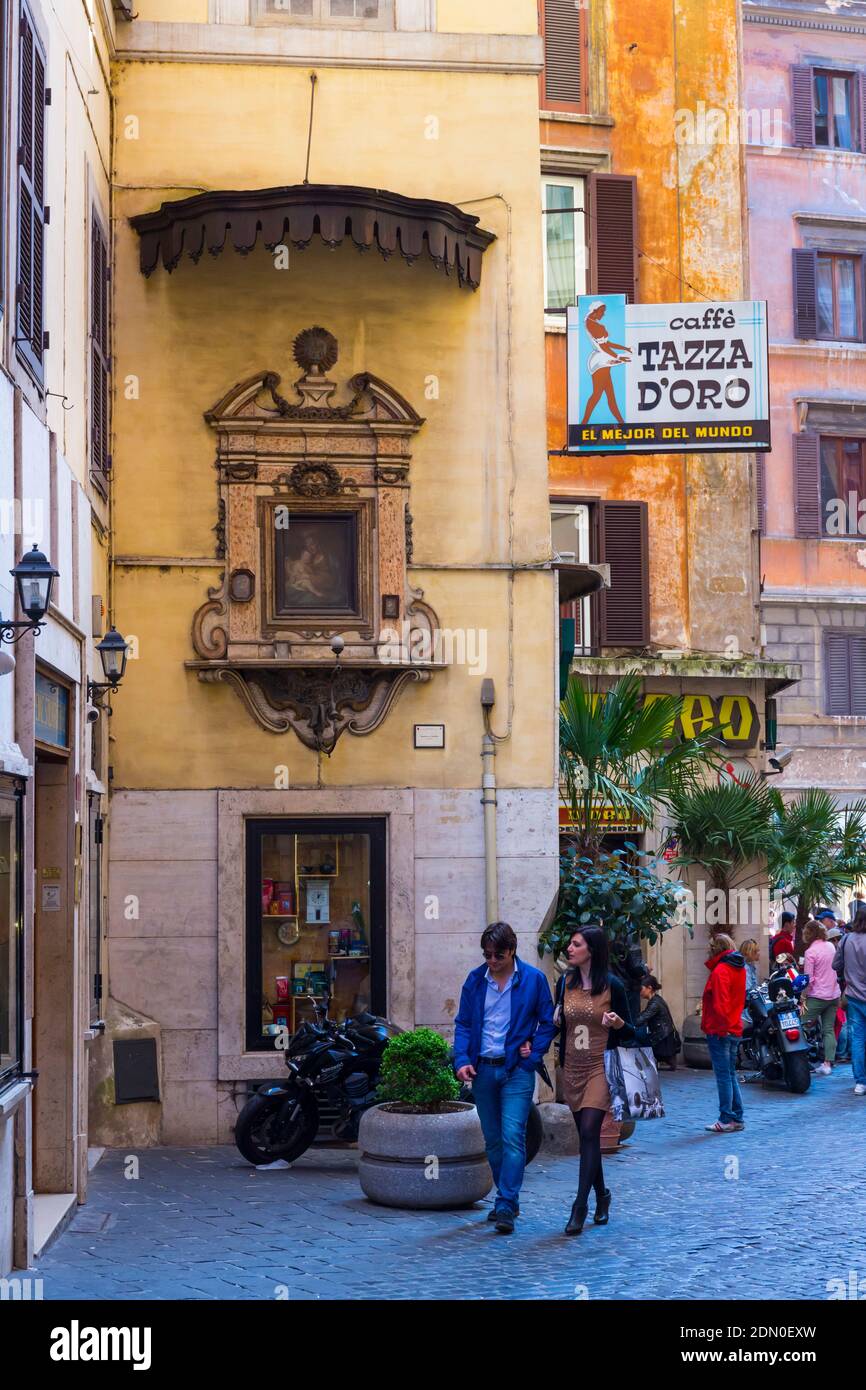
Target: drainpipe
[488,801]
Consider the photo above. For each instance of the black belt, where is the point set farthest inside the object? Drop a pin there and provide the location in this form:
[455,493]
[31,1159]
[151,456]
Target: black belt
[493,1061]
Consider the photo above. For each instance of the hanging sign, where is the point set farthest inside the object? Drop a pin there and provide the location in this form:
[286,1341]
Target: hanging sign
[667,378]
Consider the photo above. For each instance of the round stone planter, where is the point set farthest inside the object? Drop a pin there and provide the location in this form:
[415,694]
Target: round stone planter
[423,1161]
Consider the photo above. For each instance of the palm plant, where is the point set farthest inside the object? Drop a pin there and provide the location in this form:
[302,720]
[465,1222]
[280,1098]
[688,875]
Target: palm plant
[617,750]
[818,850]
[726,830]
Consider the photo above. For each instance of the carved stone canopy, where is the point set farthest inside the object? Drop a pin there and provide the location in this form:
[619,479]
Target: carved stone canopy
[370,217]
[314,526]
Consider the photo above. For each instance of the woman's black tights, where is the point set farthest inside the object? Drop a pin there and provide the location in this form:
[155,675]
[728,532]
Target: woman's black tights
[589,1123]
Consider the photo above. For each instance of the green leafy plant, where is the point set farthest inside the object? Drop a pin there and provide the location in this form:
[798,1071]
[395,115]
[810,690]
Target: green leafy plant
[616,749]
[416,1072]
[818,849]
[726,830]
[622,892]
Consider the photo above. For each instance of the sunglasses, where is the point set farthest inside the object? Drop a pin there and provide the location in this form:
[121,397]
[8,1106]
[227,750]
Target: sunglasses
[494,955]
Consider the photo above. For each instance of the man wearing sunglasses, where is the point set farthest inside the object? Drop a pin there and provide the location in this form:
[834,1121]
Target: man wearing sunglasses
[503,1028]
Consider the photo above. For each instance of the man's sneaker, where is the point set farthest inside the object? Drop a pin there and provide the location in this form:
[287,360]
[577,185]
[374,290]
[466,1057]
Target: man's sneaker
[491,1215]
[860,1089]
[824,1070]
[505,1221]
[718,1128]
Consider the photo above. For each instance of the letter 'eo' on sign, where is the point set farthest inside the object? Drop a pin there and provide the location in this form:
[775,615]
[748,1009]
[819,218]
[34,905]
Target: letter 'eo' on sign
[667,378]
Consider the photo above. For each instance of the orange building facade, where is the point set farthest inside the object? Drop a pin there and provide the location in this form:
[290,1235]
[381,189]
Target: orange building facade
[643,194]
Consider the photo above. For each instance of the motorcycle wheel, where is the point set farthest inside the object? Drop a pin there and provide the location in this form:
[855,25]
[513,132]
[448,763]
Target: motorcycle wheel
[253,1130]
[798,1076]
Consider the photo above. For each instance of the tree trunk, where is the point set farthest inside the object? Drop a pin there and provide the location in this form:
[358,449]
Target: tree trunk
[801,920]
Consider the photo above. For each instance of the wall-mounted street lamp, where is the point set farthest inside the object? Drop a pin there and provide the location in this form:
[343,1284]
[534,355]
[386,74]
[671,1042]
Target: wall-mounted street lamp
[113,652]
[34,579]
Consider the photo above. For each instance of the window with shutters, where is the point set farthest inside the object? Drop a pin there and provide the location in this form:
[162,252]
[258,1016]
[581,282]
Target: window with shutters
[835,122]
[564,222]
[564,31]
[99,354]
[828,295]
[32,212]
[845,673]
[843,485]
[613,254]
[573,527]
[828,108]
[615,534]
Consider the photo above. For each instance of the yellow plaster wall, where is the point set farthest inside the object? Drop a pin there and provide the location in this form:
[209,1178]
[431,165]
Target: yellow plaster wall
[176,11]
[487,16]
[189,336]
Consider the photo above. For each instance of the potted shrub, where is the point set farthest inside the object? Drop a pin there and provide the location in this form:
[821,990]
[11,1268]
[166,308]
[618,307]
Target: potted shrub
[421,1147]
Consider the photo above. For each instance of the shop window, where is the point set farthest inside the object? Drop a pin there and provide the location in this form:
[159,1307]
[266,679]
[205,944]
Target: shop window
[564,220]
[11,927]
[315,923]
[361,14]
[843,485]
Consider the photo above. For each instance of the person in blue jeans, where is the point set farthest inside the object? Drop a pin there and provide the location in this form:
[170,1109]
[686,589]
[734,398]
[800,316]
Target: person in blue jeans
[503,1028]
[722,1008]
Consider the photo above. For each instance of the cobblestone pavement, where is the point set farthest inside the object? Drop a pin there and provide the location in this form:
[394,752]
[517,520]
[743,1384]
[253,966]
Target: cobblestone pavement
[202,1224]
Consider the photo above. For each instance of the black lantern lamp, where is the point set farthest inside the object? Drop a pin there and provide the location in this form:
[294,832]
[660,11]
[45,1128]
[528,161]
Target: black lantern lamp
[113,652]
[34,579]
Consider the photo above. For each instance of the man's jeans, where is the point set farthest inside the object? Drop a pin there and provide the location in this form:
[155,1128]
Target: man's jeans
[723,1055]
[502,1099]
[857,1030]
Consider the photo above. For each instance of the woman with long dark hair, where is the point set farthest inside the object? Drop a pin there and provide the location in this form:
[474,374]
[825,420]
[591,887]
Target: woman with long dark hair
[593,1014]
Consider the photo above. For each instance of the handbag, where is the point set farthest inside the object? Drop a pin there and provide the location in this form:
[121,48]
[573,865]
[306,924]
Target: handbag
[633,1082]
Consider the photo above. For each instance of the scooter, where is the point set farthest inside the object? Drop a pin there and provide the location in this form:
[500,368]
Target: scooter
[774,1045]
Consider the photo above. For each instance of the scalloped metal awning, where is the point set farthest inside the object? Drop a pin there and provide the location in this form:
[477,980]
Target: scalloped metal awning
[370,217]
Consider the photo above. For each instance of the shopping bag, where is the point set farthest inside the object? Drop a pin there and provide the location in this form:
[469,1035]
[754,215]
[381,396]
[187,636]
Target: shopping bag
[641,1083]
[619,1107]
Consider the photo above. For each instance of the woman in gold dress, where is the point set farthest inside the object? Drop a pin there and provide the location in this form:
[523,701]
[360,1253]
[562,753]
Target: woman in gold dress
[593,1015]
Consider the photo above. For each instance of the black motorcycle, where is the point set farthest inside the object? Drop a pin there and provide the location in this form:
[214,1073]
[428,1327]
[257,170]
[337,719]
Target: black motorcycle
[333,1075]
[774,1045]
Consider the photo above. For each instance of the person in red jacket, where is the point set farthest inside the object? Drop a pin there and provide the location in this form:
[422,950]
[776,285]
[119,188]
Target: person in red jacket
[722,1021]
[782,943]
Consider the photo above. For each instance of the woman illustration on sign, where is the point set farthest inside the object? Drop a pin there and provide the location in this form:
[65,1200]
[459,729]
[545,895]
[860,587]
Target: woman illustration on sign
[604,355]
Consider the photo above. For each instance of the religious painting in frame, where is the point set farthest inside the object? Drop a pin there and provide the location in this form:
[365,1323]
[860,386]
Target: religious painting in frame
[317,564]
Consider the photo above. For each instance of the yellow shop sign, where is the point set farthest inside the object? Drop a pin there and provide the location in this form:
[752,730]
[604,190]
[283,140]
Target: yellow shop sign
[734,718]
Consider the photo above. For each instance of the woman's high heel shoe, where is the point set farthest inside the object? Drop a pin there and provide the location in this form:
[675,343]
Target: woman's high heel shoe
[576,1220]
[602,1208]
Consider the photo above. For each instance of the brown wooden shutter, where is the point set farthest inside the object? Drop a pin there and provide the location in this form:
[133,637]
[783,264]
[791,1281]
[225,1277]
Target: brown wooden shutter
[31,198]
[805,277]
[845,673]
[563,52]
[99,352]
[613,234]
[761,490]
[802,105]
[837,682]
[861,110]
[857,673]
[807,484]
[624,607]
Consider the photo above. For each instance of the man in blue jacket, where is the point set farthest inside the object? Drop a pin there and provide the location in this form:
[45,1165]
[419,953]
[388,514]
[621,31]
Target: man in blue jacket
[503,1028]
